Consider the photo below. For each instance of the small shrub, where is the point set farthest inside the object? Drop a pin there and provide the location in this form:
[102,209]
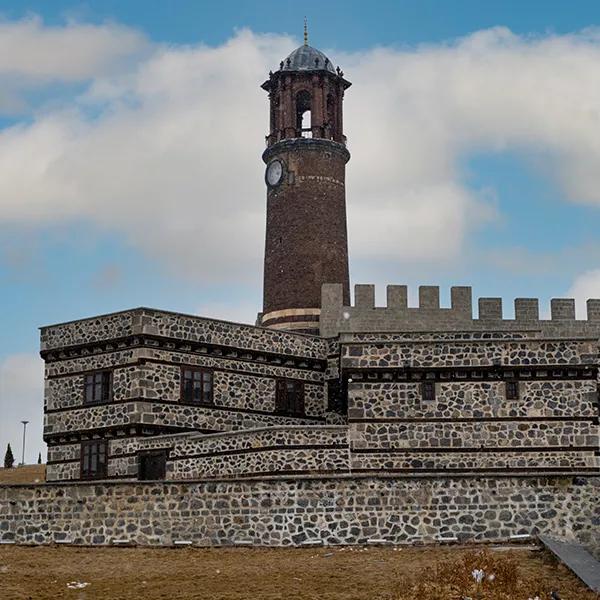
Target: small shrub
[476,575]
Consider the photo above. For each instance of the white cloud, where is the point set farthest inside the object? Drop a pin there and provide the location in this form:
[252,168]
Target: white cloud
[167,153]
[33,55]
[172,162]
[413,115]
[73,52]
[585,286]
[22,399]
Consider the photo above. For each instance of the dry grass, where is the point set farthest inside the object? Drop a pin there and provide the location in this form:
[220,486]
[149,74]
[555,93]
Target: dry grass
[484,575]
[24,474]
[43,573]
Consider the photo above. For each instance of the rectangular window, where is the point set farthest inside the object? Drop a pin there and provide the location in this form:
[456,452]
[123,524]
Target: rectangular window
[428,391]
[152,466]
[93,459]
[289,397]
[97,387]
[512,390]
[197,386]
[333,396]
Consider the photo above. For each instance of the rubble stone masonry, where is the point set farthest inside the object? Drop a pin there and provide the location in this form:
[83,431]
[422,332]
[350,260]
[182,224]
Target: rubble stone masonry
[290,511]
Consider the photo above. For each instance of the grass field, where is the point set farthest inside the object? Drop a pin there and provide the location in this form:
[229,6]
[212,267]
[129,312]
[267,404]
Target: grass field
[44,573]
[24,474]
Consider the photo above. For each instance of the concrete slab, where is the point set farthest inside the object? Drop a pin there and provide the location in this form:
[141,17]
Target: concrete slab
[577,558]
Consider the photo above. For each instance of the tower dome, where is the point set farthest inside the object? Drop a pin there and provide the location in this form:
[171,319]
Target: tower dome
[307,58]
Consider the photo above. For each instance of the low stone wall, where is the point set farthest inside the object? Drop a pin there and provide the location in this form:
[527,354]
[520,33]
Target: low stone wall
[268,451]
[290,511]
[262,451]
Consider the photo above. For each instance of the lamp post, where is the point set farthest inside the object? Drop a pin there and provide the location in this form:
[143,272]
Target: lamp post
[24,429]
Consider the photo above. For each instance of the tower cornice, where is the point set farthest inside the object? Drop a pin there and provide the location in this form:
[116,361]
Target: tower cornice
[292,144]
[274,76]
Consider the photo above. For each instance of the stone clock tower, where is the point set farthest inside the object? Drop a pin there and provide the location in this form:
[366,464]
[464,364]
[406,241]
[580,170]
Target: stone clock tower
[306,156]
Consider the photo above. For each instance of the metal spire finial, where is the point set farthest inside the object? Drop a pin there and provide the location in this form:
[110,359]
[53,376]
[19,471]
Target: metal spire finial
[305,32]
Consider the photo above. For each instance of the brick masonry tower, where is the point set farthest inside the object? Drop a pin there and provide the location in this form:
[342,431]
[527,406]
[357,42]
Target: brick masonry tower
[306,156]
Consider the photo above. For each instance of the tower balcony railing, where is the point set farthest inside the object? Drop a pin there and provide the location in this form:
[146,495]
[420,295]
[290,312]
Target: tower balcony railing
[307,133]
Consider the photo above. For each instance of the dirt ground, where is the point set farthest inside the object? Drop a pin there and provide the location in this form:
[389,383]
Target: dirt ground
[44,573]
[25,474]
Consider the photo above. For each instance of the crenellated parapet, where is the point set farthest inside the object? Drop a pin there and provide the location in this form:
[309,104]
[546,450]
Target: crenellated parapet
[429,315]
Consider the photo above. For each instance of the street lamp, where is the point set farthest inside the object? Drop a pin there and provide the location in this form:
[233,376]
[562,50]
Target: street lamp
[24,429]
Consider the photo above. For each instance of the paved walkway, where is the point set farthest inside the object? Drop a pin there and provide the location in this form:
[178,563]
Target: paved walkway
[577,558]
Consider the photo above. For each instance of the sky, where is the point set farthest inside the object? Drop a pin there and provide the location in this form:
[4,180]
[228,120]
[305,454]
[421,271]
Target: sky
[131,135]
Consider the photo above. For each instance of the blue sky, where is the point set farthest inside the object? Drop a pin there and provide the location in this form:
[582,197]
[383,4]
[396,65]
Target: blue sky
[111,197]
[344,24]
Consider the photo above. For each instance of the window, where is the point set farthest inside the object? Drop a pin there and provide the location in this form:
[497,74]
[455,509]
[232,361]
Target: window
[428,391]
[333,395]
[93,459]
[197,386]
[337,397]
[152,465]
[97,387]
[512,390]
[289,397]
[303,114]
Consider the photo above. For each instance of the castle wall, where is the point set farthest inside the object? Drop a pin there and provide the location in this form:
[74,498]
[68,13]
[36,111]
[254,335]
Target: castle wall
[339,316]
[470,422]
[290,511]
[144,321]
[145,351]
[268,450]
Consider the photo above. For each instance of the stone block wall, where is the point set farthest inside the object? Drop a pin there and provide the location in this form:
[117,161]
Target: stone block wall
[475,399]
[191,328]
[267,451]
[263,451]
[462,353]
[470,422]
[292,510]
[145,351]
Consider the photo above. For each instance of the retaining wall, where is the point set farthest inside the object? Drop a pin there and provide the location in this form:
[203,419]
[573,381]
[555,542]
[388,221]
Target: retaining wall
[291,511]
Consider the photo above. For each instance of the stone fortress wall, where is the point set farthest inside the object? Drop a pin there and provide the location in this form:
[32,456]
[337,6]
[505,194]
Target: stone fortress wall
[278,511]
[468,462]
[145,350]
[397,316]
[272,450]
[469,424]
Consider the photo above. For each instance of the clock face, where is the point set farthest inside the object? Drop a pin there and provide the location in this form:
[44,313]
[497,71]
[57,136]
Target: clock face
[274,172]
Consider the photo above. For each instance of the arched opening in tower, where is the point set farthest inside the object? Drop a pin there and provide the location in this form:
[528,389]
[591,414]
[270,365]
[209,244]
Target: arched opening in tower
[303,114]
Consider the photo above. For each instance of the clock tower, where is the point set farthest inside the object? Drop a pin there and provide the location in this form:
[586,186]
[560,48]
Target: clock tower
[306,239]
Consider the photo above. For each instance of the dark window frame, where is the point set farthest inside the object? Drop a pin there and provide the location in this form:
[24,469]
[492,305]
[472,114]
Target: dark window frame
[511,390]
[184,395]
[105,383]
[162,454]
[290,402]
[101,471]
[428,392]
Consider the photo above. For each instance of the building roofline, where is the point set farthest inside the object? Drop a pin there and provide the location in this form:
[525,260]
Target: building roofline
[172,312]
